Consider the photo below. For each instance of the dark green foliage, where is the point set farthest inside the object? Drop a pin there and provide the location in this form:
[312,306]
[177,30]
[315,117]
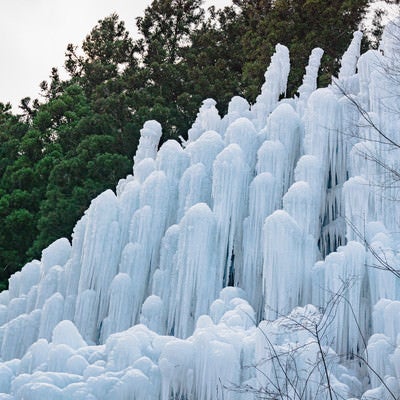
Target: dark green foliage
[215,60]
[107,49]
[58,154]
[301,25]
[166,29]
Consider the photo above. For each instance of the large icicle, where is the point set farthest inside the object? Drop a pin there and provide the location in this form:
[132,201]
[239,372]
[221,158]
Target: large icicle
[207,119]
[287,265]
[195,264]
[274,85]
[231,178]
[99,260]
[150,135]
[263,200]
[309,83]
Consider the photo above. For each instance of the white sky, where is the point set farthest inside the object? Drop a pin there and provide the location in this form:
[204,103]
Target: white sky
[34,35]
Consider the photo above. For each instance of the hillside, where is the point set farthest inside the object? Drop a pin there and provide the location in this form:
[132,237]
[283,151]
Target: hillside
[257,258]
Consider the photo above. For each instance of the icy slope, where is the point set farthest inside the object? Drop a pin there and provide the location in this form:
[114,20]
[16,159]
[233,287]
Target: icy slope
[252,260]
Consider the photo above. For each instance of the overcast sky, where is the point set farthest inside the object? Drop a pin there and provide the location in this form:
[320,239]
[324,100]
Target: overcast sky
[34,35]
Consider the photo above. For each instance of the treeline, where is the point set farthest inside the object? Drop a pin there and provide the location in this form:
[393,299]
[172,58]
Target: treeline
[79,138]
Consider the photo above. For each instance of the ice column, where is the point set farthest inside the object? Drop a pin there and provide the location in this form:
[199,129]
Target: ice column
[205,149]
[238,107]
[274,85]
[150,135]
[207,119]
[120,309]
[165,279]
[347,81]
[263,200]
[196,264]
[345,296]
[99,262]
[173,161]
[286,269]
[285,126]
[140,257]
[325,141]
[231,178]
[194,187]
[309,83]
[243,133]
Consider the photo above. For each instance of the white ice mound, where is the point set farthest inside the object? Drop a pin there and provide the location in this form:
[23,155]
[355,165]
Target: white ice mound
[66,333]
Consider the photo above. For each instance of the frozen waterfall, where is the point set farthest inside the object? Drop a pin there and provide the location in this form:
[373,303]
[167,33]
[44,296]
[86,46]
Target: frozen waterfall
[235,263]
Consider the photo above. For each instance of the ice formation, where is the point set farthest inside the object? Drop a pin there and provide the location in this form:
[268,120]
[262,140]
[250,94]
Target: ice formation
[235,266]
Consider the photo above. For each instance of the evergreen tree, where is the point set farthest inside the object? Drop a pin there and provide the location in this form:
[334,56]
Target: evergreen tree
[90,161]
[166,30]
[107,51]
[214,61]
[301,25]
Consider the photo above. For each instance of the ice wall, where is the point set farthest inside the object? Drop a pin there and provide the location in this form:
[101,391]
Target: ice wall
[235,265]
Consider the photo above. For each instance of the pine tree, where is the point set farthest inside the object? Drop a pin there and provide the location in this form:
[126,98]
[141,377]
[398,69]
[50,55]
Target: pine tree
[301,25]
[166,30]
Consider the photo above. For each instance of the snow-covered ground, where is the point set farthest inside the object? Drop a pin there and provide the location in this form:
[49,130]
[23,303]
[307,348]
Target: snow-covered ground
[258,258]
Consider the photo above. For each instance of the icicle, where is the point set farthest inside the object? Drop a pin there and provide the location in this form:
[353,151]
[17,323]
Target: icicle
[357,205]
[321,121]
[66,333]
[287,265]
[120,308]
[231,178]
[243,133]
[301,203]
[205,149]
[134,262]
[73,265]
[52,314]
[128,204]
[382,262]
[85,316]
[56,254]
[48,286]
[144,168]
[350,57]
[173,161]
[152,314]
[347,294]
[367,63]
[238,107]
[274,85]
[379,351]
[164,280]
[272,158]
[194,187]
[100,255]
[207,119]
[19,334]
[195,264]
[263,200]
[150,135]
[150,222]
[309,79]
[21,282]
[285,126]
